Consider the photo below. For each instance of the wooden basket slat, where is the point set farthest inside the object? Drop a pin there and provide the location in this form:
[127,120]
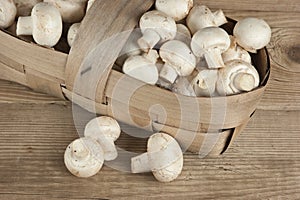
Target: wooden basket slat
[104,20]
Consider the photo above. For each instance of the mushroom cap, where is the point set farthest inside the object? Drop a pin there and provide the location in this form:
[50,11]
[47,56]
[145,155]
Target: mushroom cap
[204,83]
[72,11]
[165,157]
[103,125]
[200,17]
[210,38]
[237,70]
[47,24]
[159,22]
[177,9]
[236,52]
[24,7]
[73,30]
[141,69]
[177,54]
[252,33]
[84,157]
[8,13]
[183,86]
[183,34]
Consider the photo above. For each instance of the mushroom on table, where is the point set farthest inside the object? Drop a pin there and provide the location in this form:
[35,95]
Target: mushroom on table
[84,157]
[177,9]
[105,130]
[163,158]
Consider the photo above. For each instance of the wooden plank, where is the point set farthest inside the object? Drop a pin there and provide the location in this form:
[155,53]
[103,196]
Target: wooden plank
[14,93]
[263,163]
[256,5]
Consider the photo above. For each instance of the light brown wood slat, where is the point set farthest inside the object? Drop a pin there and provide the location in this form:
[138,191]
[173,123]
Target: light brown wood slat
[263,163]
[38,58]
[256,5]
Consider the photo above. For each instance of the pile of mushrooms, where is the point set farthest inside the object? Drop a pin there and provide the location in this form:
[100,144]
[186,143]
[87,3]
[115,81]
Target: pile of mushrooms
[44,20]
[195,56]
[85,156]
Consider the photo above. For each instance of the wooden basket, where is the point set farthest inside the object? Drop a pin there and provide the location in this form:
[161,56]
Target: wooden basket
[68,77]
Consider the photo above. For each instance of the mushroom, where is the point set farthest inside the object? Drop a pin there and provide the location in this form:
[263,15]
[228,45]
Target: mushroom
[141,68]
[24,7]
[178,58]
[156,26]
[131,47]
[84,157]
[211,42]
[44,25]
[238,76]
[201,17]
[204,84]
[177,9]
[89,4]
[8,13]
[236,52]
[70,10]
[163,157]
[73,30]
[183,34]
[105,130]
[184,87]
[252,34]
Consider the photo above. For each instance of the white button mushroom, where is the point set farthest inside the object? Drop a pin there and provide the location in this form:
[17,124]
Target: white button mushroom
[201,17]
[235,52]
[164,158]
[156,26]
[178,58]
[184,87]
[238,76]
[70,10]
[204,84]
[211,42]
[105,130]
[131,47]
[183,34]
[84,157]
[24,7]
[252,34]
[141,68]
[8,13]
[177,9]
[72,32]
[44,24]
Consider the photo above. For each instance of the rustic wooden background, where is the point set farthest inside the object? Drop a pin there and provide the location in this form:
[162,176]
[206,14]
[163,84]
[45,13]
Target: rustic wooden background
[263,163]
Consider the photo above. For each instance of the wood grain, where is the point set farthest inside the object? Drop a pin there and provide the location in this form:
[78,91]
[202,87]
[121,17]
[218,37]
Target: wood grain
[263,162]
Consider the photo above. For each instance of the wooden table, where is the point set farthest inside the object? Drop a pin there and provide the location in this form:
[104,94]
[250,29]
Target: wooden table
[264,161]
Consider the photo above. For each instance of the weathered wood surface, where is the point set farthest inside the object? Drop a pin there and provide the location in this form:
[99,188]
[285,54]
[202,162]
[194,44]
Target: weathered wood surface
[263,163]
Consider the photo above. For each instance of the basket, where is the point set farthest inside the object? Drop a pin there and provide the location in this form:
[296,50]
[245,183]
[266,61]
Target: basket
[88,65]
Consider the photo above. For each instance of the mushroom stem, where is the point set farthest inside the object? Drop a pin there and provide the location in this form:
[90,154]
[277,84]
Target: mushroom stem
[168,73]
[244,82]
[109,148]
[80,151]
[219,18]
[214,58]
[149,39]
[24,26]
[140,164]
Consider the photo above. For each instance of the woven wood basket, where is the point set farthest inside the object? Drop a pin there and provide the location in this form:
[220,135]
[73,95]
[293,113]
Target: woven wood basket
[68,76]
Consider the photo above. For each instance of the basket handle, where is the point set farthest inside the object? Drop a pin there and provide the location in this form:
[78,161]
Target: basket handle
[101,36]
